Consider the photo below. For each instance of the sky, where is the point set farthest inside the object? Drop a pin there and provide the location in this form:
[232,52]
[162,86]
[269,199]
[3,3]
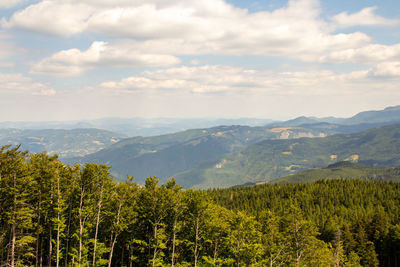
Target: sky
[275,59]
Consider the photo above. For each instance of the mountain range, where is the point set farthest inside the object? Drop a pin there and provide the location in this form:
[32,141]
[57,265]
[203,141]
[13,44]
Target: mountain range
[271,159]
[228,155]
[220,156]
[166,155]
[65,143]
[136,126]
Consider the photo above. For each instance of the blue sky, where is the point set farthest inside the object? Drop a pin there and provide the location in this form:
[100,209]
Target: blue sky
[85,59]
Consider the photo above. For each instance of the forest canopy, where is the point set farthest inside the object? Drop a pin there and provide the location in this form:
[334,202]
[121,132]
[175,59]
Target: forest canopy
[53,214]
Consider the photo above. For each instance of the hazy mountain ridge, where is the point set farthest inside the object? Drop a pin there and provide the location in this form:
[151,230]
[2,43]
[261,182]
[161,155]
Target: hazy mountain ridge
[137,126]
[388,115]
[65,143]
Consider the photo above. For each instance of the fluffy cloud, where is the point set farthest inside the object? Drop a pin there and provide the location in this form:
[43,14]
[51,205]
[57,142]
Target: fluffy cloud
[194,27]
[11,3]
[52,17]
[388,69]
[373,53]
[151,33]
[74,62]
[11,84]
[364,17]
[229,80]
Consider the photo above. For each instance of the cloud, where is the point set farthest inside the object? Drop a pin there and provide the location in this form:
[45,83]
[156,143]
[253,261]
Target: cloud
[11,3]
[11,84]
[372,53]
[61,18]
[74,62]
[194,27]
[388,69]
[364,17]
[228,80]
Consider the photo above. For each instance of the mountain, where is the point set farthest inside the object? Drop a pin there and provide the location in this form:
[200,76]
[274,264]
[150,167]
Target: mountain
[271,159]
[344,169]
[166,155]
[296,122]
[65,143]
[137,126]
[388,115]
[193,151]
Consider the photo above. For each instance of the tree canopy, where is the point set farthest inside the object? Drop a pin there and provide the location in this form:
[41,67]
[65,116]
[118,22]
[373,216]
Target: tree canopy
[53,214]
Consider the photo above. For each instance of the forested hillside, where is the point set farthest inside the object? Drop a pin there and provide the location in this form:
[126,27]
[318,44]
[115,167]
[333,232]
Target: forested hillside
[360,219]
[271,159]
[344,169]
[64,143]
[166,155]
[53,214]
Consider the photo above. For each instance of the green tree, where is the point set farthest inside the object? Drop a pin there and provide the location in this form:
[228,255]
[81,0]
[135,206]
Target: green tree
[275,243]
[17,206]
[245,239]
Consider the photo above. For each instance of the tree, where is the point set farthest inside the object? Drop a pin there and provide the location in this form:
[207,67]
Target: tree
[217,234]
[197,205]
[17,206]
[304,247]
[154,207]
[122,211]
[275,242]
[177,208]
[245,239]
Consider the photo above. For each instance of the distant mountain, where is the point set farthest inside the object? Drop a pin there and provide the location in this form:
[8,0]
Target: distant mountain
[138,126]
[65,143]
[166,155]
[296,122]
[271,159]
[388,115]
[344,169]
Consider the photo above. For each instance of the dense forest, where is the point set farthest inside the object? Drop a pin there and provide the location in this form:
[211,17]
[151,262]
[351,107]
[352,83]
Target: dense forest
[53,214]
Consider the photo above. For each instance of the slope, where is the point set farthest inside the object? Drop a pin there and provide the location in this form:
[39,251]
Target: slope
[166,155]
[65,143]
[344,169]
[271,159]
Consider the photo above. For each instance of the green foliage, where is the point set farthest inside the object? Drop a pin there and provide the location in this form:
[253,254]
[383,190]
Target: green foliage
[349,222]
[55,214]
[343,169]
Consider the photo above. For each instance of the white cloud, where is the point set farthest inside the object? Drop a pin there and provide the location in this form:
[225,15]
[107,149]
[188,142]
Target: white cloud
[199,79]
[388,69]
[229,80]
[11,84]
[11,3]
[372,53]
[194,27]
[364,17]
[54,17]
[74,62]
